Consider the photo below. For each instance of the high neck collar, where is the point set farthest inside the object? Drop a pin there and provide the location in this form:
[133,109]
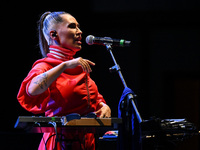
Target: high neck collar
[60,53]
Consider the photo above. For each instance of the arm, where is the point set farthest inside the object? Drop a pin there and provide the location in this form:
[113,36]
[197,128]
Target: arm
[40,83]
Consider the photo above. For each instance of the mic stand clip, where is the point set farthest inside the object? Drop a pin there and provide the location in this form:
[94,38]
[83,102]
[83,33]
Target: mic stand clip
[114,68]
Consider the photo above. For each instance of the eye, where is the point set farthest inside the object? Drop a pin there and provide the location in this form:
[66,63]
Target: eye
[72,25]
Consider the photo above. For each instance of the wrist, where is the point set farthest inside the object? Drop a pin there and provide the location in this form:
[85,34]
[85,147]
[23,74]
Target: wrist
[65,65]
[101,104]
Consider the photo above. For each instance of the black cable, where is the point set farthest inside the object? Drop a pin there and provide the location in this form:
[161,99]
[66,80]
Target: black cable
[51,137]
[42,134]
[57,138]
[48,139]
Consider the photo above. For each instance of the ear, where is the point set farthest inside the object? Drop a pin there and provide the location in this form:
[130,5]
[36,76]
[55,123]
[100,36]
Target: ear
[53,35]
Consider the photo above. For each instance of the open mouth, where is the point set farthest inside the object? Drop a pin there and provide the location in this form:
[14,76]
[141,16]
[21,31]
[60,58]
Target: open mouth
[78,40]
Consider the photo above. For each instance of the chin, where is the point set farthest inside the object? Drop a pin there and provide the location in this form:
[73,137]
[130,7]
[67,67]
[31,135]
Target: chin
[77,48]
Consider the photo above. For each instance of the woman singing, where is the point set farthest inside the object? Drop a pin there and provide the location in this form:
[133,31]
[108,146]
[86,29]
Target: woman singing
[60,84]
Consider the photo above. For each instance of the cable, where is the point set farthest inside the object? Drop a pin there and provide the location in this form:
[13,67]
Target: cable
[48,139]
[55,128]
[57,137]
[42,135]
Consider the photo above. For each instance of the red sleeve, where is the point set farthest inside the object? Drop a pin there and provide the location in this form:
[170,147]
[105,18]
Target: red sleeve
[35,104]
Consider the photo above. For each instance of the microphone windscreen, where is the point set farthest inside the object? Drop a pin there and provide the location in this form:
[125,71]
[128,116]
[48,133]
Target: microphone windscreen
[89,39]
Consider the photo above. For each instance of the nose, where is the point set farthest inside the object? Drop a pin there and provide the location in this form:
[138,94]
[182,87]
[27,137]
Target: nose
[79,30]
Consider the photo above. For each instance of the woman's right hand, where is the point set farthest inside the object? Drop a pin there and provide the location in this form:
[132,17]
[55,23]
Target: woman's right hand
[84,63]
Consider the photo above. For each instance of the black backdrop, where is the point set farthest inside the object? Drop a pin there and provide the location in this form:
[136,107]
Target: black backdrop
[162,66]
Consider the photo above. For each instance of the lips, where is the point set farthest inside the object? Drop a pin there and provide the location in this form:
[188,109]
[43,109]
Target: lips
[78,40]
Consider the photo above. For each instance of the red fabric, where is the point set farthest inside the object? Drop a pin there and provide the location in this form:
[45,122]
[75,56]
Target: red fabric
[61,53]
[67,94]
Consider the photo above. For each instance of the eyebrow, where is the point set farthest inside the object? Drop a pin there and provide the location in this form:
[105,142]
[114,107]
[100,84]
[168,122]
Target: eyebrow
[73,23]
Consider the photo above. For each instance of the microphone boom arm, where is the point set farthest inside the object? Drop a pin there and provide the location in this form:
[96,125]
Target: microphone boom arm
[116,67]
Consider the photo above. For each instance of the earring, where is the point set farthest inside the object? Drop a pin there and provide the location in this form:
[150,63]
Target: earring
[54,34]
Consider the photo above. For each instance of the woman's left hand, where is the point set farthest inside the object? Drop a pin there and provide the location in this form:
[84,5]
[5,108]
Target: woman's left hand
[104,111]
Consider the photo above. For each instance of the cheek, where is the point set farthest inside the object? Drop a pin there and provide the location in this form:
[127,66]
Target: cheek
[67,37]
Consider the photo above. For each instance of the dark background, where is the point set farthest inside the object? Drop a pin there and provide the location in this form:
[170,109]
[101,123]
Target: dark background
[162,66]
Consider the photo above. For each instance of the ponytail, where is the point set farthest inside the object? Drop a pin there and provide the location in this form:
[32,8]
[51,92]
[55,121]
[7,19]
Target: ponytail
[46,21]
[44,48]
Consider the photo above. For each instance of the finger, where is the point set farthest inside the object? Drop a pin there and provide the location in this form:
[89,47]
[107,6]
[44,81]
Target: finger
[81,62]
[102,115]
[105,115]
[86,66]
[90,62]
[108,115]
[98,111]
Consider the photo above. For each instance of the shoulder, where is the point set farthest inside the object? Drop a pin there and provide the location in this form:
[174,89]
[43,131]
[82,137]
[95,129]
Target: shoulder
[40,62]
[42,66]
[47,62]
[39,67]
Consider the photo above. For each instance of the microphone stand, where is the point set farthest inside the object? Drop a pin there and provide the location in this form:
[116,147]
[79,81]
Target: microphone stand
[127,141]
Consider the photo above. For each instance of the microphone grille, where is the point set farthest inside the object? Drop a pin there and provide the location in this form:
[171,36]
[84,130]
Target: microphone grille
[89,39]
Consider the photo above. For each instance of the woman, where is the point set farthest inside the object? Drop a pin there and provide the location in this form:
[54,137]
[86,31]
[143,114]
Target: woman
[59,84]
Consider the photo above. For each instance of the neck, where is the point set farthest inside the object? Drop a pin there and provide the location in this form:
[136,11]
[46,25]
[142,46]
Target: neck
[60,53]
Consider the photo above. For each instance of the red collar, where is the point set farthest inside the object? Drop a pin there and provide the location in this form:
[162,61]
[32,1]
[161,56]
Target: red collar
[60,53]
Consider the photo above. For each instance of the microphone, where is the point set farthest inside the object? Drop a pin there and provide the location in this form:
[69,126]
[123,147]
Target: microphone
[90,40]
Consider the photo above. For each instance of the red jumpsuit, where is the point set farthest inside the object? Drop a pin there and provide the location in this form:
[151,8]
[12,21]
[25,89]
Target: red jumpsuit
[72,92]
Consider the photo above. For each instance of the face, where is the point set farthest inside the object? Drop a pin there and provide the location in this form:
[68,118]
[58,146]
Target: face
[69,34]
